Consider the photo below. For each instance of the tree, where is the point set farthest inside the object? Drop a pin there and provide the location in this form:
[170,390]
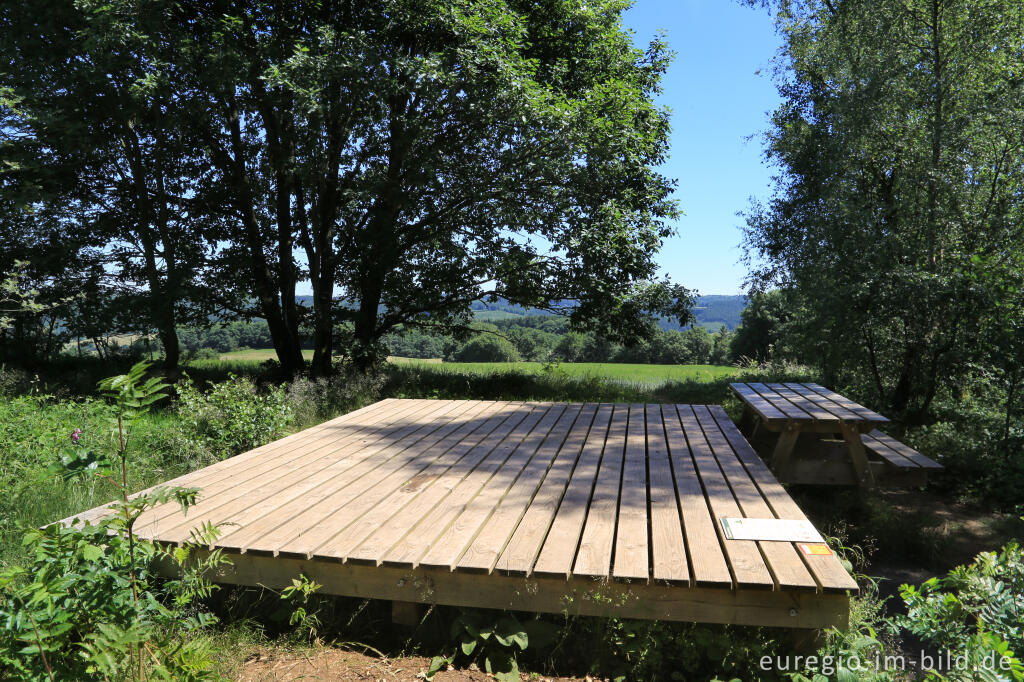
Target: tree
[488,348]
[532,344]
[761,326]
[420,156]
[99,148]
[721,350]
[698,345]
[570,347]
[900,165]
[673,349]
[416,151]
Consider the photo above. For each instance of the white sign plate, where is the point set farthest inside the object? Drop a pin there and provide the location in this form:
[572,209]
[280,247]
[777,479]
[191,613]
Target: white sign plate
[770,530]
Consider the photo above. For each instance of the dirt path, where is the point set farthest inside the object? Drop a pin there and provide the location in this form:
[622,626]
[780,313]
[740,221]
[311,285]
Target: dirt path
[339,665]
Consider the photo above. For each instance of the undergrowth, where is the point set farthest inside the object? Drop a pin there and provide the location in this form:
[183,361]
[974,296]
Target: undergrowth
[47,427]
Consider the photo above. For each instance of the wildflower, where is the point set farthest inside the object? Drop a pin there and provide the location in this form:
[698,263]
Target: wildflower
[75,435]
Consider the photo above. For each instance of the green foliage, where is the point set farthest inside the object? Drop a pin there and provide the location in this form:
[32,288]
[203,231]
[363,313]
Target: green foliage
[496,640]
[488,348]
[300,593]
[88,606]
[896,224]
[233,416]
[313,401]
[454,156]
[761,326]
[14,298]
[974,613]
[986,596]
[652,650]
[71,613]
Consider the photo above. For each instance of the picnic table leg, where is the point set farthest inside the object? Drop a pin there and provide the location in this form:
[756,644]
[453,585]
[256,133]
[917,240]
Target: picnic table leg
[784,448]
[858,455]
[747,421]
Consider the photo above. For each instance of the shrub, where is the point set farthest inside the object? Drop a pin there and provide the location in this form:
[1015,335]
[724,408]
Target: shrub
[984,597]
[89,606]
[488,348]
[317,400]
[233,416]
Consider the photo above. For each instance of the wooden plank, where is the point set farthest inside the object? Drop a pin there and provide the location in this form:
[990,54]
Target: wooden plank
[827,570]
[904,450]
[792,412]
[764,409]
[668,548]
[404,538]
[559,550]
[885,452]
[858,455]
[577,597]
[394,514]
[453,541]
[380,411]
[811,407]
[525,544]
[486,548]
[632,550]
[864,413]
[833,407]
[241,487]
[784,447]
[342,503]
[707,558]
[594,556]
[745,560]
[782,557]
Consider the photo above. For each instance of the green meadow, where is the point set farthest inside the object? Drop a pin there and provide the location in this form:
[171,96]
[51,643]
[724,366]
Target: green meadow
[639,373]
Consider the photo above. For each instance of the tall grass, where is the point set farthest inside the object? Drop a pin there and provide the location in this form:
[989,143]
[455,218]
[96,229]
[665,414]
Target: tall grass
[35,432]
[448,381]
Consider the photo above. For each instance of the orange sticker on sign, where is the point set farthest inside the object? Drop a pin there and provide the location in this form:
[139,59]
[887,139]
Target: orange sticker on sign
[815,549]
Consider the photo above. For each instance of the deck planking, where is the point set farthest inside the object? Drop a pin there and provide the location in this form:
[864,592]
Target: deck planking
[582,496]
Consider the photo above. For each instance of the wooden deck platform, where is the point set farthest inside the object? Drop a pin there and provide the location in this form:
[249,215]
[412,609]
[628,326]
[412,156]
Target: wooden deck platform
[586,508]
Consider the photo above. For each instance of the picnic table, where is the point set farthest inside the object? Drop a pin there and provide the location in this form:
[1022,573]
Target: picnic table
[795,409]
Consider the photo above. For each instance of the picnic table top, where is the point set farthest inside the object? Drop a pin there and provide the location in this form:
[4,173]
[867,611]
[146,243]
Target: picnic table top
[806,403]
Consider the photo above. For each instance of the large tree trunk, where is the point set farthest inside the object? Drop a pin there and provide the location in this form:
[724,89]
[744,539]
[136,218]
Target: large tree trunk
[323,327]
[322,272]
[172,349]
[365,350]
[280,140]
[284,334]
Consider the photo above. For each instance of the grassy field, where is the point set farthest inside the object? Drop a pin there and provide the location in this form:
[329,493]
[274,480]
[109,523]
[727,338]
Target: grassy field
[604,370]
[257,355]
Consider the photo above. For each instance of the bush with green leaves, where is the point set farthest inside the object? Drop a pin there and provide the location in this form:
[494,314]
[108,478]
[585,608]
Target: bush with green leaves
[233,416]
[488,348]
[316,400]
[494,640]
[975,612]
[977,609]
[90,604]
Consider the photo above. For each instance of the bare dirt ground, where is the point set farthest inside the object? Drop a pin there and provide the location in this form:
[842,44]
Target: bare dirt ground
[323,664]
[954,532]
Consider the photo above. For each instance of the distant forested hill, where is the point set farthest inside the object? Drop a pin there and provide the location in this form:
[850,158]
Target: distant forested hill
[711,311]
[714,311]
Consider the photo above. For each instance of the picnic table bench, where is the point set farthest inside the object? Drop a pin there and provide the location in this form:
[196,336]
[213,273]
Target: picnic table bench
[826,438]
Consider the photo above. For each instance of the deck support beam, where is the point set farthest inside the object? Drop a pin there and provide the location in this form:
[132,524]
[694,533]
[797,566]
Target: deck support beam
[576,596]
[405,613]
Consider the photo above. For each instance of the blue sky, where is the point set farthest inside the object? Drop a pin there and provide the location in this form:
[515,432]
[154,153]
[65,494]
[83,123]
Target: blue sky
[717,100]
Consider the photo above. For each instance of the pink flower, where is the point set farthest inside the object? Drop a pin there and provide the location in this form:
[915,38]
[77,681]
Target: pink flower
[75,435]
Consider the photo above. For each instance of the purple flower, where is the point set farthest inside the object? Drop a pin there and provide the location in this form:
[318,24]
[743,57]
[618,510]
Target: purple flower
[75,435]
